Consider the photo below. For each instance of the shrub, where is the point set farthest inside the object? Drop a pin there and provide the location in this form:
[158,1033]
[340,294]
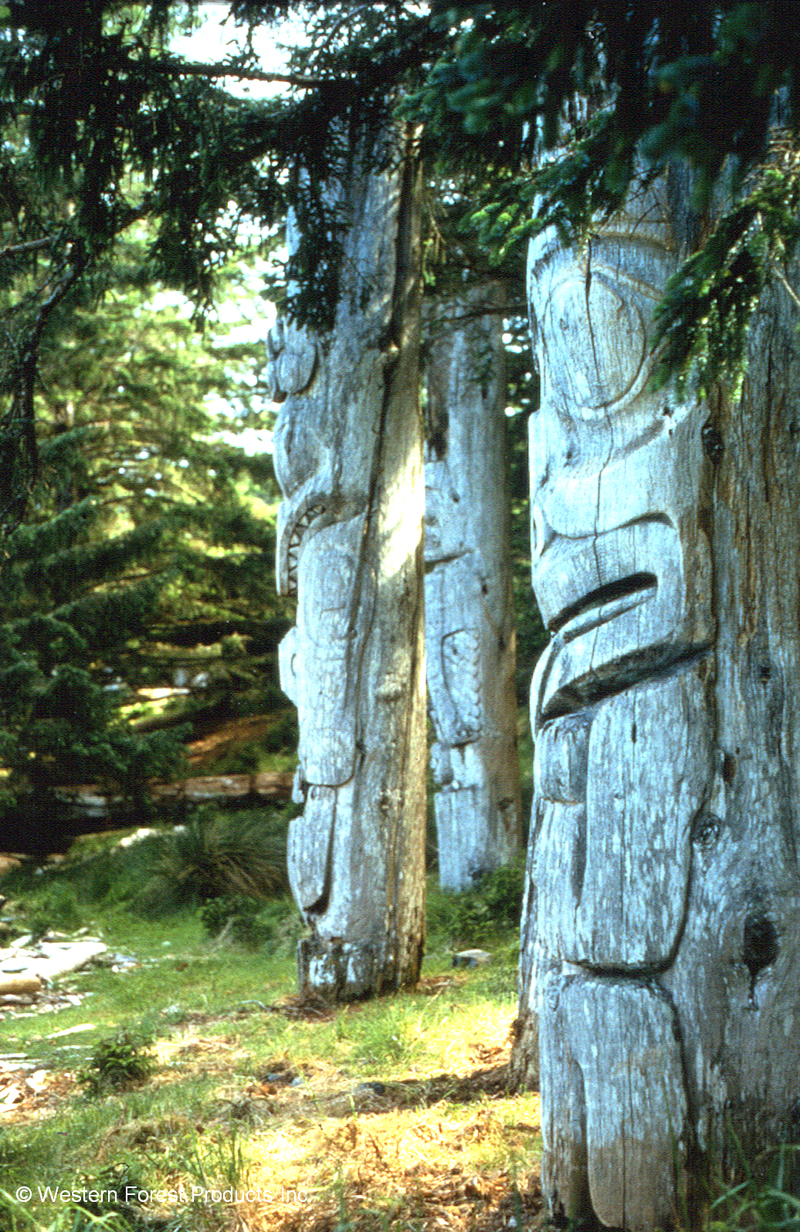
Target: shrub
[502,891]
[237,917]
[468,917]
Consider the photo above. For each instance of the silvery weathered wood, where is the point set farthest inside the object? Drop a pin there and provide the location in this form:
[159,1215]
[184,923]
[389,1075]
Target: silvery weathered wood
[661,946]
[468,604]
[348,455]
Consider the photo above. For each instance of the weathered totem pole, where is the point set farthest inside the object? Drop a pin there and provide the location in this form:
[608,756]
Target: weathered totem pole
[348,455]
[661,946]
[469,617]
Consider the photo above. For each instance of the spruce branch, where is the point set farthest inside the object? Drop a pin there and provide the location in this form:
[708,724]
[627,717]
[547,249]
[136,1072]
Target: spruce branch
[702,323]
[19,451]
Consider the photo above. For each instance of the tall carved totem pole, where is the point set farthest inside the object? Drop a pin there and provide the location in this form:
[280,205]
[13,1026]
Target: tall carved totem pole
[468,603]
[348,455]
[661,943]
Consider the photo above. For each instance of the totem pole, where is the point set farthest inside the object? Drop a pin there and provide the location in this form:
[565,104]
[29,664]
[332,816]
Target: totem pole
[661,945]
[469,617]
[348,455]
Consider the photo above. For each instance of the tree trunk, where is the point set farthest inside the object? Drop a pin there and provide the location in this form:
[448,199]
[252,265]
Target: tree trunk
[348,451]
[468,605]
[661,951]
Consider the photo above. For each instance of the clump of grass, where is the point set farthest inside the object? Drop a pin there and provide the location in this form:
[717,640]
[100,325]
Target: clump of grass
[218,855]
[390,1038]
[121,1061]
[766,1196]
[56,908]
[221,1163]
[15,1217]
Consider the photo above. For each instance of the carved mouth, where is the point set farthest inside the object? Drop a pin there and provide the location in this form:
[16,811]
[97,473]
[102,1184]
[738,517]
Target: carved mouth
[291,532]
[603,651]
[626,627]
[610,592]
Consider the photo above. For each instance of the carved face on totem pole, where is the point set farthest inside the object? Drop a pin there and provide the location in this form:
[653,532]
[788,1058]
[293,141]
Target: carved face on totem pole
[623,759]
[348,457]
[470,651]
[469,620]
[664,866]
[621,572]
[319,559]
[454,660]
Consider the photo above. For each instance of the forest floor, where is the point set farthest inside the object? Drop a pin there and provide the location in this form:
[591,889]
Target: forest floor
[262,1112]
[217,739]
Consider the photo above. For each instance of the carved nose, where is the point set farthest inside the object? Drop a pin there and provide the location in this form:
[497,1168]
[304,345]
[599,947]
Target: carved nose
[542,533]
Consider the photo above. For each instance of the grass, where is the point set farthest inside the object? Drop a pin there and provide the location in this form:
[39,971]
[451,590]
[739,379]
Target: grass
[211,1117]
[254,1111]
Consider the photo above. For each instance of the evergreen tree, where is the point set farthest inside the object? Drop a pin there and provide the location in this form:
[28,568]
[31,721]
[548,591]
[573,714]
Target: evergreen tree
[105,131]
[145,549]
[156,409]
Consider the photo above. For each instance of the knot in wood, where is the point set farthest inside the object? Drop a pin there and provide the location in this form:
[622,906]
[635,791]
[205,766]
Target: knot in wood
[706,830]
[760,943]
[712,443]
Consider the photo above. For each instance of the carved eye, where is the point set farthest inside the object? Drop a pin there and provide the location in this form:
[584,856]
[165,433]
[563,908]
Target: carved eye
[596,344]
[298,451]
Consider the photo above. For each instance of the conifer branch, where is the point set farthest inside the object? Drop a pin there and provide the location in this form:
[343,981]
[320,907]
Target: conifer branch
[18,445]
[186,69]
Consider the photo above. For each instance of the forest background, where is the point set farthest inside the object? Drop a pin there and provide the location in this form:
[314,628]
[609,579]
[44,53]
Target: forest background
[138,603]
